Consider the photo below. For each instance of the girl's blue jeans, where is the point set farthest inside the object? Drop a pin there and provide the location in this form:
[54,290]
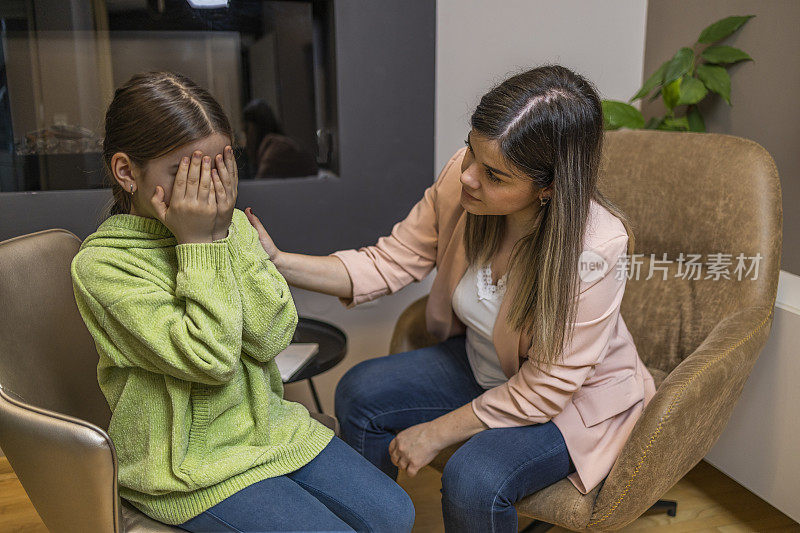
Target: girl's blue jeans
[338,490]
[378,398]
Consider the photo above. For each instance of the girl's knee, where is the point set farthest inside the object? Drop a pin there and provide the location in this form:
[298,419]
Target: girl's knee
[397,513]
[406,513]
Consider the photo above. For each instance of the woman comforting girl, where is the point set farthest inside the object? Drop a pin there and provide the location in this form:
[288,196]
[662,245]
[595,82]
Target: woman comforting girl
[535,371]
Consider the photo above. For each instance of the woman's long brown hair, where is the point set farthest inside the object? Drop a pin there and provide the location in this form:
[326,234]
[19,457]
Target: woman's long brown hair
[152,114]
[548,122]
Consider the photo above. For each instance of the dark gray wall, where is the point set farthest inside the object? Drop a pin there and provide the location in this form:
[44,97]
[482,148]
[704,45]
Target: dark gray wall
[763,91]
[385,52]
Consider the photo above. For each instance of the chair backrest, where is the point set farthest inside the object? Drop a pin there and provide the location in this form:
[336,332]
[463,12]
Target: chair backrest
[47,356]
[692,193]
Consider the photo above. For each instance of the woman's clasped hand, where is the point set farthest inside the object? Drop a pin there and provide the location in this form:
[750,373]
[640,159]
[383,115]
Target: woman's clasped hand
[200,209]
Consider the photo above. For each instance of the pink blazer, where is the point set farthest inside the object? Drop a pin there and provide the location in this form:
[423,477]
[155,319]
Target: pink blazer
[594,396]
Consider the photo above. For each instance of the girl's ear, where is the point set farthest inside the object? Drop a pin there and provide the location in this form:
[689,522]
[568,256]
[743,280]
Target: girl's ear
[123,169]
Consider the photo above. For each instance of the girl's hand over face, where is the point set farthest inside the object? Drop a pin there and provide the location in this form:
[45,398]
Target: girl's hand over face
[226,186]
[193,205]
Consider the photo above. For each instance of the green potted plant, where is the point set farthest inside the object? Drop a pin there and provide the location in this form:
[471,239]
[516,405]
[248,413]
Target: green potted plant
[683,82]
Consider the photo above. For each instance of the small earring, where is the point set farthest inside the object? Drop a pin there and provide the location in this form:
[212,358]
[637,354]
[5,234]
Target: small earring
[543,200]
[131,188]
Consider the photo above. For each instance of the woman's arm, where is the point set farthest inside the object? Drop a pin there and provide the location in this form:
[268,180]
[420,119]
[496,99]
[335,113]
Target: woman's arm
[408,254]
[325,274]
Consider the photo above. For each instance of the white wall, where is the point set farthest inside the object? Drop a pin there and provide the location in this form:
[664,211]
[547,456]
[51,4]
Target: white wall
[759,446]
[480,42]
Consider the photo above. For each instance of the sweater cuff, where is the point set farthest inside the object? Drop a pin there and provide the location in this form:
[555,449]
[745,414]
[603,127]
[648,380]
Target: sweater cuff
[207,256]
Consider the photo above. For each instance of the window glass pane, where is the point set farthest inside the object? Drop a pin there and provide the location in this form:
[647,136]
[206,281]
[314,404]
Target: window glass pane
[268,63]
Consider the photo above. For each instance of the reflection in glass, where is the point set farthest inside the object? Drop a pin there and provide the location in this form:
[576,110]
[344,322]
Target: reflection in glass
[62,60]
[270,153]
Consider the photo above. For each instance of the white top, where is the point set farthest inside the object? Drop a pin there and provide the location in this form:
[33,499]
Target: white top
[476,302]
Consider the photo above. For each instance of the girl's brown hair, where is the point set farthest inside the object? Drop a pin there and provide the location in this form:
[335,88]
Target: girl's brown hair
[152,114]
[548,122]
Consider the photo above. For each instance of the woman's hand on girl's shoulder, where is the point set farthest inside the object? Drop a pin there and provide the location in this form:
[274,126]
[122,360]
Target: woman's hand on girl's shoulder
[226,187]
[263,236]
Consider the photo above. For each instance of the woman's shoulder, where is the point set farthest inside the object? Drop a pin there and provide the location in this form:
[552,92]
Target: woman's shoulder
[451,172]
[602,260]
[448,186]
[602,227]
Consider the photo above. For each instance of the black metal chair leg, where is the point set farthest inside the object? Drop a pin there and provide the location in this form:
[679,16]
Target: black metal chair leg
[314,394]
[670,505]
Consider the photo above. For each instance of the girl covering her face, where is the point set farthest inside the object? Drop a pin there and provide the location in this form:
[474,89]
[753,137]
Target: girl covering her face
[188,313]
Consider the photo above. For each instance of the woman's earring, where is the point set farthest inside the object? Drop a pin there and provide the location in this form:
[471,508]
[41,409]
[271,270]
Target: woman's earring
[131,188]
[543,200]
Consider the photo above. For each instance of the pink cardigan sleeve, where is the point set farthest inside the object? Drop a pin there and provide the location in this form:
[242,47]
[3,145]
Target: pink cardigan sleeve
[408,254]
[533,396]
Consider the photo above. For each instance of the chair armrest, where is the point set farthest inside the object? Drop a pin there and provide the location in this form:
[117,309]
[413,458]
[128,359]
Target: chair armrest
[67,466]
[410,330]
[328,420]
[684,419]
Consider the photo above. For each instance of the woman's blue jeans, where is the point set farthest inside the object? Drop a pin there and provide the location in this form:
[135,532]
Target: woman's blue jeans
[378,398]
[337,491]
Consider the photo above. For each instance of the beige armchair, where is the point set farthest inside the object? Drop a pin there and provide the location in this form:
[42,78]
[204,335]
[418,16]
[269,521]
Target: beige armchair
[690,193]
[52,413]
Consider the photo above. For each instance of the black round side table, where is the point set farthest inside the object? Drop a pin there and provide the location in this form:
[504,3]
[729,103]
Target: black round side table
[332,349]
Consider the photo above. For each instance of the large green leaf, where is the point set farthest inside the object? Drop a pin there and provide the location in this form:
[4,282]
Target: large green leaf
[724,54]
[692,91]
[652,81]
[621,115]
[695,119]
[680,64]
[672,93]
[716,78]
[722,28]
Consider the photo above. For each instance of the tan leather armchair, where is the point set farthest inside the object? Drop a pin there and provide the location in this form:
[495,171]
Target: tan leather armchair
[691,193]
[52,412]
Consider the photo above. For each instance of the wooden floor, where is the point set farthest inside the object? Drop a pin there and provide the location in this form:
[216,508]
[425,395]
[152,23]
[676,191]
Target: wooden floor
[708,501]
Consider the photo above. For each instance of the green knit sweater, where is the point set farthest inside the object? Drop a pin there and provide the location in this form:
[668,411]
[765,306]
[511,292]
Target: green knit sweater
[187,335]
